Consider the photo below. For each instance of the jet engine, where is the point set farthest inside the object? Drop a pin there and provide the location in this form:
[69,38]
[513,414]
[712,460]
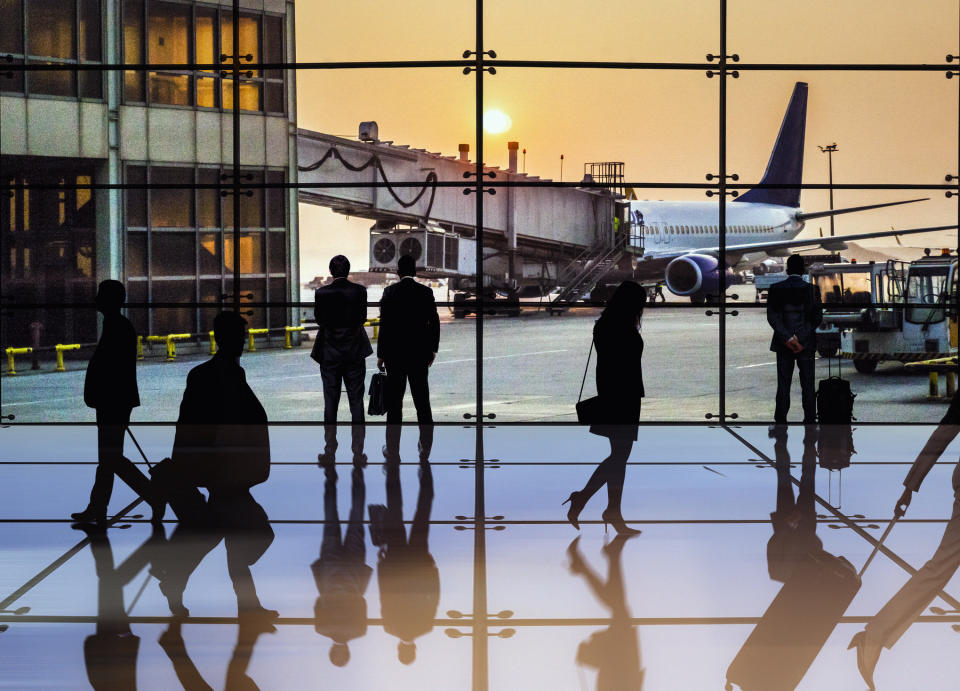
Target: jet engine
[695,274]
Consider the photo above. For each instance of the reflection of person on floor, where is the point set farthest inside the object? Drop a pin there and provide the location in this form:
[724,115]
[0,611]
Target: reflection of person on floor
[110,387]
[614,652]
[794,521]
[110,654]
[406,572]
[341,572]
[886,627]
[616,336]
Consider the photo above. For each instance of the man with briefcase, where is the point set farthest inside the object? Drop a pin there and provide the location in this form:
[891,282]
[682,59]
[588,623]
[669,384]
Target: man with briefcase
[794,313]
[341,349]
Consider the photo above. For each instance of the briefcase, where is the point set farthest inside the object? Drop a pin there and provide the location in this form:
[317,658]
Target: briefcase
[378,394]
[796,625]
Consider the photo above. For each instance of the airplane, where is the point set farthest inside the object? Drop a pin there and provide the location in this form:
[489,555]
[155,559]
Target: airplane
[681,238]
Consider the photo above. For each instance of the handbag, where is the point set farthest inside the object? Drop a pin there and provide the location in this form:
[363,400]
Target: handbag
[378,394]
[590,410]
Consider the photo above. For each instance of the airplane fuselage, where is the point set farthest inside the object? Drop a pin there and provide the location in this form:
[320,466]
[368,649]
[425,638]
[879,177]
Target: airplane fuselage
[670,227]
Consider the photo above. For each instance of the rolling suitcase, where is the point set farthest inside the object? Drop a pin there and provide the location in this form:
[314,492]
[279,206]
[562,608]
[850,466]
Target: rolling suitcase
[834,399]
[796,625]
[184,498]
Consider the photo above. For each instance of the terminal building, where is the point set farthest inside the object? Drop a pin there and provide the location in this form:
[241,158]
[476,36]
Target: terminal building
[68,127]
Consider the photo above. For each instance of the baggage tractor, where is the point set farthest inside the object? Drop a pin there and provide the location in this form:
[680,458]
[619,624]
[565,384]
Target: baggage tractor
[796,625]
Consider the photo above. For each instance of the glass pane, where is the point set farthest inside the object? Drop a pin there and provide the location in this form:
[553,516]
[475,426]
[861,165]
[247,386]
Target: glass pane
[171,208]
[208,200]
[273,39]
[251,252]
[51,29]
[136,254]
[169,33]
[249,95]
[12,81]
[273,98]
[278,293]
[168,320]
[136,198]
[91,84]
[251,207]
[172,89]
[257,289]
[90,30]
[276,200]
[207,52]
[277,260]
[210,253]
[11,29]
[211,294]
[52,82]
[140,316]
[172,253]
[249,45]
[133,49]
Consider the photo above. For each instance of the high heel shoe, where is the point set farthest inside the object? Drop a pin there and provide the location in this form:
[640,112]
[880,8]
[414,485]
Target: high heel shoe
[616,520]
[867,657]
[577,501]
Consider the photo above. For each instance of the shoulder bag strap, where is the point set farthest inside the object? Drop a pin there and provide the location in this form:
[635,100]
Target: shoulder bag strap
[586,367]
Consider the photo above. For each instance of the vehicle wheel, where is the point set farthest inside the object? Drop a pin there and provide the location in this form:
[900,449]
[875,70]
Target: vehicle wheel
[865,366]
[698,299]
[828,351]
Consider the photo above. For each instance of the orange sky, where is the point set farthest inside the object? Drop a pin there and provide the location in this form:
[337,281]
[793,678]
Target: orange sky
[889,127]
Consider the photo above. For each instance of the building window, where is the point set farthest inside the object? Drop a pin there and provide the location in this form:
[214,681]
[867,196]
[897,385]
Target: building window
[173,33]
[61,33]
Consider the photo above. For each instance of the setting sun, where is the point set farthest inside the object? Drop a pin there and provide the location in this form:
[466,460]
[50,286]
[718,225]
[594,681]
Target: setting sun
[496,122]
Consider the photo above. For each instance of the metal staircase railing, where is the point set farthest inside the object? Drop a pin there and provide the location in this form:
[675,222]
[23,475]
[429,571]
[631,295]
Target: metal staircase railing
[591,269]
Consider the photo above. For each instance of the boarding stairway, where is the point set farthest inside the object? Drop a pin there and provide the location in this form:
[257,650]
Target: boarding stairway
[583,273]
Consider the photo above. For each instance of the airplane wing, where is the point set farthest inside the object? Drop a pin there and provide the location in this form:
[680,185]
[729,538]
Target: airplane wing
[830,244]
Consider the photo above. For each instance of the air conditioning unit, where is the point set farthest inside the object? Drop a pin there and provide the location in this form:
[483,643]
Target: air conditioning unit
[384,251]
[434,251]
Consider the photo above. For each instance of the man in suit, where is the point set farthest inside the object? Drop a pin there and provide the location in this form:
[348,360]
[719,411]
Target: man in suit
[341,349]
[794,313]
[110,387]
[409,341]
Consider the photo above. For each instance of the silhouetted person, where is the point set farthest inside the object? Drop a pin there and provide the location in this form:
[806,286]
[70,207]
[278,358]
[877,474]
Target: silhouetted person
[110,387]
[110,654]
[619,346]
[614,652]
[341,349]
[341,572]
[817,586]
[408,343]
[892,621]
[222,441]
[794,313]
[407,575]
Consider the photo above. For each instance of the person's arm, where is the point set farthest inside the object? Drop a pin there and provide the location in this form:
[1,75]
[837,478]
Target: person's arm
[383,341]
[362,307]
[938,442]
[815,312]
[775,315]
[433,325]
[318,313]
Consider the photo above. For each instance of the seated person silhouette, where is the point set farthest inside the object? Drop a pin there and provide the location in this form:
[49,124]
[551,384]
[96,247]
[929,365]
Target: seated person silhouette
[615,651]
[407,575]
[222,441]
[341,572]
[110,387]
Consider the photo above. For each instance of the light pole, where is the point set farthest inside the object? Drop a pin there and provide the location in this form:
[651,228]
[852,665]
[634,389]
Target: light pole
[828,150]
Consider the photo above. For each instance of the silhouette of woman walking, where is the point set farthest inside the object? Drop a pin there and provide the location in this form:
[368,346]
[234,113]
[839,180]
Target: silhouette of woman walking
[616,336]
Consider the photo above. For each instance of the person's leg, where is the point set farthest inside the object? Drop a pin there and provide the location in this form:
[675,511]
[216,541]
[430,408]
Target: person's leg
[420,391]
[354,375]
[331,377]
[109,444]
[114,427]
[784,379]
[808,389]
[619,453]
[396,388]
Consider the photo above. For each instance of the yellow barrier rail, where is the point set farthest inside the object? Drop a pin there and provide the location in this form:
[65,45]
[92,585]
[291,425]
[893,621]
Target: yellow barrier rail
[944,365]
[258,332]
[60,347]
[375,323]
[171,342]
[12,370]
[139,347]
[213,344]
[286,336]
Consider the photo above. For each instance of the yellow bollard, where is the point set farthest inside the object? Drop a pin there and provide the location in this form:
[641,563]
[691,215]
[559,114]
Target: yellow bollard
[139,347]
[250,333]
[15,351]
[172,345]
[951,383]
[213,344]
[287,331]
[375,323]
[934,385]
[60,347]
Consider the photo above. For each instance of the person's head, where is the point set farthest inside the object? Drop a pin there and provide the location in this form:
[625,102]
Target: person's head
[339,266]
[795,265]
[406,652]
[339,654]
[626,304]
[228,331]
[110,296]
[406,266]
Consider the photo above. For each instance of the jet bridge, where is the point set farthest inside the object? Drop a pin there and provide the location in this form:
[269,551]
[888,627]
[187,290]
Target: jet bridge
[531,235]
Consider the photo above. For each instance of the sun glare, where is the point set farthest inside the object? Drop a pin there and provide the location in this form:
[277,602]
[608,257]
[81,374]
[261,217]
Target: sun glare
[496,122]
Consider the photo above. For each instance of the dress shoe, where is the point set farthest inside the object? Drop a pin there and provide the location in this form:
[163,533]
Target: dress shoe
[158,509]
[577,501]
[326,459]
[89,515]
[867,657]
[359,460]
[615,519]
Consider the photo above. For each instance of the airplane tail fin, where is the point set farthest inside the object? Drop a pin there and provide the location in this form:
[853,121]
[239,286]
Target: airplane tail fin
[786,161]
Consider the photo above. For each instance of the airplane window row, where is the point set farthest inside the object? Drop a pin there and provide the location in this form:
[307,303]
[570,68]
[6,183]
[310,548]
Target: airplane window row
[701,230]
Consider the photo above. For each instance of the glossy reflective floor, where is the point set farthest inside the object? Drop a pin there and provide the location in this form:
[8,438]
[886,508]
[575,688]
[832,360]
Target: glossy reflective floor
[736,575]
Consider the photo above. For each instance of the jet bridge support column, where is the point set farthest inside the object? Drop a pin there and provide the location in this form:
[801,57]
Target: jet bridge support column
[512,148]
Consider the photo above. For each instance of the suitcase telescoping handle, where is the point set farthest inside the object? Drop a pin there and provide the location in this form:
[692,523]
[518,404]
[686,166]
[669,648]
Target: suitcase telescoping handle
[879,544]
[137,444]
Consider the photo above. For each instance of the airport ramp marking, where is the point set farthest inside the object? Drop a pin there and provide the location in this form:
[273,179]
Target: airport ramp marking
[758,364]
